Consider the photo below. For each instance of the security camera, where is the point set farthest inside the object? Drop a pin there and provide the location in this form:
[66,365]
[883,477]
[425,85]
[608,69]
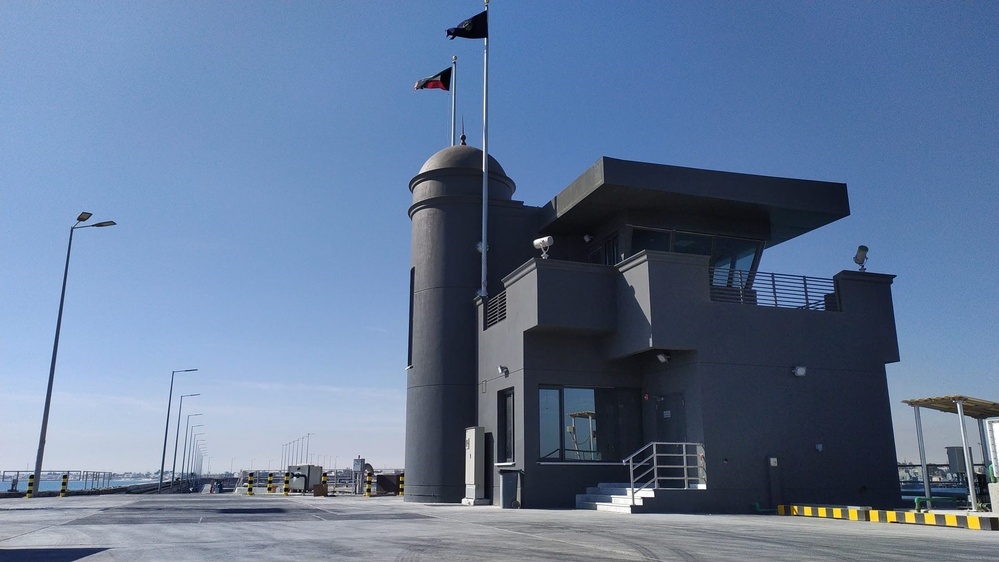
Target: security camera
[861,257]
[543,244]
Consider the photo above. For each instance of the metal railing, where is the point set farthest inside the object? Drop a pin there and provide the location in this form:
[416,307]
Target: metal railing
[14,480]
[772,289]
[660,465]
[495,310]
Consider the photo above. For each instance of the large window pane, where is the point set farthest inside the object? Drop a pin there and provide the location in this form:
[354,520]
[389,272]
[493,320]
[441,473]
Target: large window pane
[647,239]
[550,422]
[505,447]
[580,425]
[688,243]
[732,254]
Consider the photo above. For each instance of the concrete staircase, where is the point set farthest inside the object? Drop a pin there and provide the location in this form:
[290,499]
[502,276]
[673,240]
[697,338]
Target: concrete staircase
[612,497]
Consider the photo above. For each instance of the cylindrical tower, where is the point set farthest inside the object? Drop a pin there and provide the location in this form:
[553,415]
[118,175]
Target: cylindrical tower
[444,281]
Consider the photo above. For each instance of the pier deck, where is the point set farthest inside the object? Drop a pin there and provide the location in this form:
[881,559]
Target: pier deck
[275,527]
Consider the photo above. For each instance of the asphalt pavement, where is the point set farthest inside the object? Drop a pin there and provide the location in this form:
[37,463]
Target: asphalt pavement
[274,527]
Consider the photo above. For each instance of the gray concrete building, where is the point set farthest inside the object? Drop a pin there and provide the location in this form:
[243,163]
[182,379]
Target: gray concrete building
[647,349]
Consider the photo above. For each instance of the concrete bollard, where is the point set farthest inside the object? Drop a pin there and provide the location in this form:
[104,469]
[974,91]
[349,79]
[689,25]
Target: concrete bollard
[402,483]
[270,482]
[367,484]
[31,486]
[65,486]
[287,482]
[249,484]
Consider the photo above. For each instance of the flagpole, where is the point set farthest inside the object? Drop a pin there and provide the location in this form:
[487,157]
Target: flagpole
[454,91]
[485,158]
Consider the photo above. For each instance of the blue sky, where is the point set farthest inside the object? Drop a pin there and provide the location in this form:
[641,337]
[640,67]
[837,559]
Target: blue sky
[256,157]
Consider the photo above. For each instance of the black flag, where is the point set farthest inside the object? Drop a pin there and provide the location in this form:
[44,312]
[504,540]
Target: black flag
[475,27]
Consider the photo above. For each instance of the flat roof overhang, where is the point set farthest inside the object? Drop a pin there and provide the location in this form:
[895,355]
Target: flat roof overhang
[976,408]
[790,207]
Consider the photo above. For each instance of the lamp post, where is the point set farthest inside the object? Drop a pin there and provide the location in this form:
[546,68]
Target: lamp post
[187,431]
[194,446]
[232,460]
[176,437]
[307,439]
[166,430]
[83,217]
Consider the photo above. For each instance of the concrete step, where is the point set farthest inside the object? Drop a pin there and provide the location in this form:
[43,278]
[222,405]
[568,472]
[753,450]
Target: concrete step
[606,498]
[619,490]
[601,506]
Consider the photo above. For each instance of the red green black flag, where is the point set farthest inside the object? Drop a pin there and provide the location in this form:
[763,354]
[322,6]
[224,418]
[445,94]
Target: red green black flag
[440,81]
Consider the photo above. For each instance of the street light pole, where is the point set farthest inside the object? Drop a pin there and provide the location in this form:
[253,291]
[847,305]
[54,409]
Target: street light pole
[166,430]
[176,437]
[188,431]
[83,217]
[307,439]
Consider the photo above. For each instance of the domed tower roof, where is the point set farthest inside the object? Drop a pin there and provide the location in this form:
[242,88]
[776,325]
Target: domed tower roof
[464,162]
[461,156]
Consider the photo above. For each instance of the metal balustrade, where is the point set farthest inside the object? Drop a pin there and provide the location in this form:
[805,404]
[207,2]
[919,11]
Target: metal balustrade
[772,289]
[662,465]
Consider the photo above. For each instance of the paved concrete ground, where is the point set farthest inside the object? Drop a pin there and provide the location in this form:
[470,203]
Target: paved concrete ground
[274,527]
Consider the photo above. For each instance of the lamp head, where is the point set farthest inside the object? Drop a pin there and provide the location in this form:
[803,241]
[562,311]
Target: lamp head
[103,224]
[84,216]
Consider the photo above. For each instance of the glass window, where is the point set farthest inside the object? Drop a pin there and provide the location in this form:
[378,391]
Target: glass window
[647,239]
[589,424]
[606,253]
[549,417]
[505,447]
[731,256]
[689,243]
[580,425]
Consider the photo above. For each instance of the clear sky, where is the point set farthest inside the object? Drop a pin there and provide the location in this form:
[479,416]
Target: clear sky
[256,157]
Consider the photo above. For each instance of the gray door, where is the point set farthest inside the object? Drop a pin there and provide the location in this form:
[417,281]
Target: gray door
[671,426]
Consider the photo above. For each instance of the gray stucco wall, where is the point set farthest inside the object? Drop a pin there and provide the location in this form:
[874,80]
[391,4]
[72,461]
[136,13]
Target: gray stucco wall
[729,379]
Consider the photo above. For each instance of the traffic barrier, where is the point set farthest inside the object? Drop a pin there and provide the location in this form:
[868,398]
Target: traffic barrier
[402,483]
[367,484]
[31,486]
[270,482]
[324,480]
[249,484]
[65,486]
[287,482]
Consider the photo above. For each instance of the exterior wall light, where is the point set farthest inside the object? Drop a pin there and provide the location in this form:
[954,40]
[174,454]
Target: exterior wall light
[663,358]
[800,371]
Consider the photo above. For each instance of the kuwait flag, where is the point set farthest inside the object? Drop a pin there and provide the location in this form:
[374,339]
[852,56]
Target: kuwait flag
[441,81]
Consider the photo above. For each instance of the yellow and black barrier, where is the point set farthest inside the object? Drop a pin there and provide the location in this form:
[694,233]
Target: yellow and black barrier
[974,522]
[962,521]
[249,484]
[324,480]
[287,482]
[270,482]
[402,483]
[367,484]
[31,486]
[828,512]
[65,486]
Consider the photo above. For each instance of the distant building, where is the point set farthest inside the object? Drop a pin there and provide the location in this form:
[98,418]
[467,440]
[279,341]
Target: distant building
[648,322]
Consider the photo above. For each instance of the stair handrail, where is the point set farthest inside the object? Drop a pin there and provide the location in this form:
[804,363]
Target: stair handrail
[640,458]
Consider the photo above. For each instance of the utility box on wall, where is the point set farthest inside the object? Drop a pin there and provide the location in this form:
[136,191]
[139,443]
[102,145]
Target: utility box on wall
[475,465]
